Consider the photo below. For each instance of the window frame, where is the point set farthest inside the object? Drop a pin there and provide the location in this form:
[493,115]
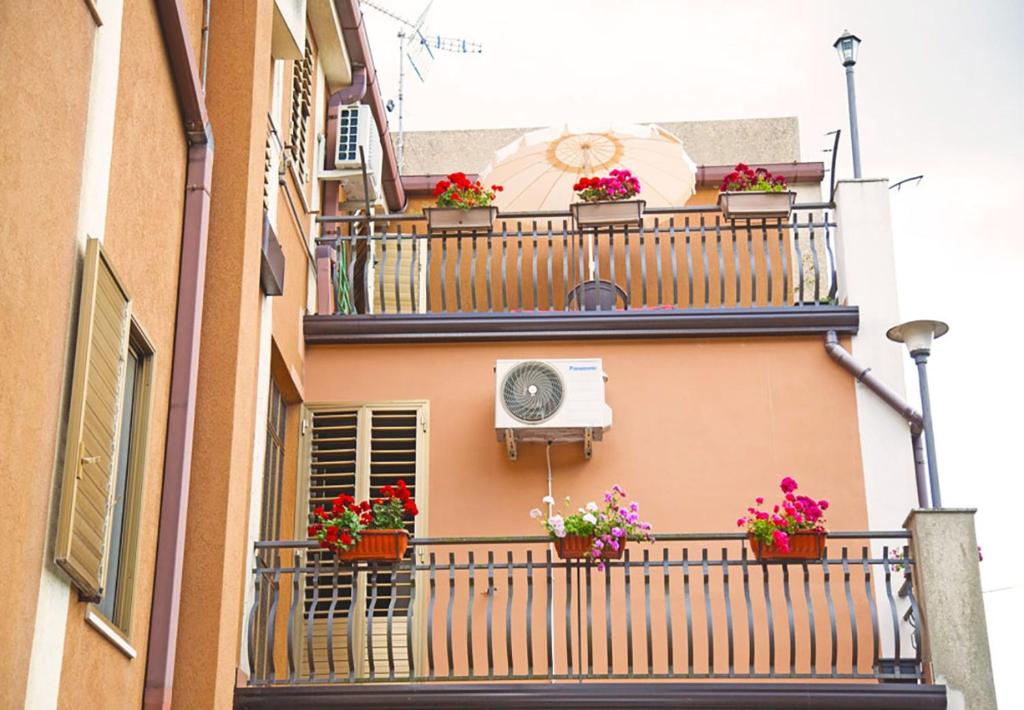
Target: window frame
[364,410]
[119,628]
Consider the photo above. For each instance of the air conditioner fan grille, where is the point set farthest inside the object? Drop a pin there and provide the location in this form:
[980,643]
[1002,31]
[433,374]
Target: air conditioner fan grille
[532,391]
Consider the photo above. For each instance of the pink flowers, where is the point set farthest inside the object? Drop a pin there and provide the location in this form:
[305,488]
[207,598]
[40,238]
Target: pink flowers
[618,185]
[794,514]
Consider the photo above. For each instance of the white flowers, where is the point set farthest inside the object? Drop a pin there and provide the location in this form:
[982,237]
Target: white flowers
[557,525]
[547,500]
[536,514]
[589,517]
[592,507]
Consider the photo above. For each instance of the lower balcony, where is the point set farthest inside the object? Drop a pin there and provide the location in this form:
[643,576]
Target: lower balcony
[503,622]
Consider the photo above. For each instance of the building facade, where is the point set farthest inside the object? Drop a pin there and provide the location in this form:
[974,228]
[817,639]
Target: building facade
[244,315]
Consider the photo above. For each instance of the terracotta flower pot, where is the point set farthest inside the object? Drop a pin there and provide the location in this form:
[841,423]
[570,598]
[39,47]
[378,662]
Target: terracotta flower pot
[456,219]
[804,545]
[755,204]
[608,214]
[378,546]
[575,547]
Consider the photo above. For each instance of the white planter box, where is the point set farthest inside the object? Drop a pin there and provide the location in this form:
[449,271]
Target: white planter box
[455,219]
[755,205]
[607,214]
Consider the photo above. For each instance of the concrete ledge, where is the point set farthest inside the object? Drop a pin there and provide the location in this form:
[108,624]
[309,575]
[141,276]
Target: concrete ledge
[599,694]
[568,325]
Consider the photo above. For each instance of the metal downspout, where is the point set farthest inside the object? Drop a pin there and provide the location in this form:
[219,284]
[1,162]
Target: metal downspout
[163,625]
[358,45]
[863,375]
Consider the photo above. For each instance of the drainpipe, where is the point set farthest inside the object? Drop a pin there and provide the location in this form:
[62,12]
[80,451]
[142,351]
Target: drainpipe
[163,624]
[326,249]
[354,34]
[889,396]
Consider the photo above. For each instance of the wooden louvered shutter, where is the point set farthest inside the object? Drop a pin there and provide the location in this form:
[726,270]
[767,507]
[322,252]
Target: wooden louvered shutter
[94,420]
[358,450]
[399,275]
[302,88]
[394,452]
[332,470]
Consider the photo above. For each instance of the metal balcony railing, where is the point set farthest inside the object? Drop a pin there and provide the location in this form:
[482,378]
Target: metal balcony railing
[680,258]
[486,609]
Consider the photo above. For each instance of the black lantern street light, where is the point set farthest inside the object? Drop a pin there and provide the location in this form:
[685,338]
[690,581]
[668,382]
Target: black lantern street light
[917,335]
[847,45]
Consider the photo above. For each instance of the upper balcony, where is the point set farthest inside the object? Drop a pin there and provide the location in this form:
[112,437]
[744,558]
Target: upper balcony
[683,271]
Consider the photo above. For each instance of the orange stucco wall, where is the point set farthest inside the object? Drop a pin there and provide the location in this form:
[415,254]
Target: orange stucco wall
[143,241]
[41,148]
[700,428]
[218,507]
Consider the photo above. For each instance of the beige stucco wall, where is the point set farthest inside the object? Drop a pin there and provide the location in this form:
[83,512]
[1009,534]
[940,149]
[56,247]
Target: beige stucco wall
[41,148]
[143,241]
[752,140]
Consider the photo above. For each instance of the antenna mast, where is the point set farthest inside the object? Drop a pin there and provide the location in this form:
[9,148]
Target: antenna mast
[412,37]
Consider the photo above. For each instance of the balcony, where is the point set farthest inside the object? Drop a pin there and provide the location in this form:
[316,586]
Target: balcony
[685,271]
[464,615]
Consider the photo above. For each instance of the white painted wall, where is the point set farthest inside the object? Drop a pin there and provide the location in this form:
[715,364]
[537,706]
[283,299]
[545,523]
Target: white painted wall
[54,588]
[866,268]
[867,278]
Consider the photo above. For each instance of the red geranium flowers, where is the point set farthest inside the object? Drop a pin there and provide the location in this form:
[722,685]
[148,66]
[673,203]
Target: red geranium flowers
[744,178]
[459,191]
[342,526]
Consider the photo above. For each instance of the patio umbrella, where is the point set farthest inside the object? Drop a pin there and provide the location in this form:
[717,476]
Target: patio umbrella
[539,169]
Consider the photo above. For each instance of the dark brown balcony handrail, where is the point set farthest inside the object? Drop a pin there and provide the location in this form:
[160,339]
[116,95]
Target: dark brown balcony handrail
[542,214]
[679,258]
[505,608]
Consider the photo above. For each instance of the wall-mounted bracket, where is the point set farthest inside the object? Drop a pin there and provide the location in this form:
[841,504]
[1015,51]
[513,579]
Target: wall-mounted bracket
[588,443]
[510,445]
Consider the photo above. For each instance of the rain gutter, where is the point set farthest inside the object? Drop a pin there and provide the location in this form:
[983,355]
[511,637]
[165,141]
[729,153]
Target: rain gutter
[712,175]
[163,624]
[863,375]
[424,184]
[358,45]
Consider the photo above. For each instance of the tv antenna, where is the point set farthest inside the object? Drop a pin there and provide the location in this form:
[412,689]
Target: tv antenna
[415,44]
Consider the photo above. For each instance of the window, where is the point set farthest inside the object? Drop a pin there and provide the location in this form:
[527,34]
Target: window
[101,483]
[273,466]
[302,82]
[357,450]
[116,603]
[270,515]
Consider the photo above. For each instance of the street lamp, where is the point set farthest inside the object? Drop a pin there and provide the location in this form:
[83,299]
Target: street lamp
[847,45]
[917,335]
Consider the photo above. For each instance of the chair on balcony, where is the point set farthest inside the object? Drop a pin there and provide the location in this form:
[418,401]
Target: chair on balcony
[597,295]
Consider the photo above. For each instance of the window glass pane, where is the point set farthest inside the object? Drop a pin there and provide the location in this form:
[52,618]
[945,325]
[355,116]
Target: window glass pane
[108,603]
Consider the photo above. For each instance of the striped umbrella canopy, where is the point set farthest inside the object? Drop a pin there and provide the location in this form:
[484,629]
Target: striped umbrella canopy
[539,169]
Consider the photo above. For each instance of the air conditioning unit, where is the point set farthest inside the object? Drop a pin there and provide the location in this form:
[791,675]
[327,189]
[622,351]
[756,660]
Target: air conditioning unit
[550,401]
[356,128]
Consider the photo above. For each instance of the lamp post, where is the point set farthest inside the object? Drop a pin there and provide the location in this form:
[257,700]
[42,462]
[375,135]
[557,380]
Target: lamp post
[917,335]
[847,45]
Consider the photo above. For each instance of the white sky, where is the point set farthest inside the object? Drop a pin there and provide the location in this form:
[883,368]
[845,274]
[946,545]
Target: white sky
[939,92]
